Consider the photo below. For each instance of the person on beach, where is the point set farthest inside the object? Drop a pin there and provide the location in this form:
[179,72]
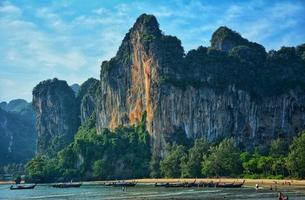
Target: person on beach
[18,180]
[282,196]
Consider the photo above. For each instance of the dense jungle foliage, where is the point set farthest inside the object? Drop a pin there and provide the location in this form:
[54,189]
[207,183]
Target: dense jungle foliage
[233,60]
[125,154]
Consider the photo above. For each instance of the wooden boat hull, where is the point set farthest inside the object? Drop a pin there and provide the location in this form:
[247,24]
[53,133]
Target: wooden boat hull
[21,187]
[200,184]
[230,185]
[210,184]
[125,184]
[194,184]
[161,184]
[176,185]
[67,185]
[109,184]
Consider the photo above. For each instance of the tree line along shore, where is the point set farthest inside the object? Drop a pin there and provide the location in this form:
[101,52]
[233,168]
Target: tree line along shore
[125,153]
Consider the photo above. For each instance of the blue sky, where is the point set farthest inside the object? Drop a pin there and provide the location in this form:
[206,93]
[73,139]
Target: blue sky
[69,39]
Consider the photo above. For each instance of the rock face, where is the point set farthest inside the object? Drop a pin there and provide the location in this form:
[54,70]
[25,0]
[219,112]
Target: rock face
[233,113]
[221,91]
[57,118]
[17,137]
[232,89]
[225,39]
[86,98]
[127,81]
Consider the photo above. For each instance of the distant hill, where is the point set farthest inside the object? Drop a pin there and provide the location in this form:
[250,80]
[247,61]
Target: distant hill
[17,132]
[75,87]
[20,107]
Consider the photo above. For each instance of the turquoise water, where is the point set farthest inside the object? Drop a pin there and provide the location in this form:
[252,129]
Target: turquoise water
[94,192]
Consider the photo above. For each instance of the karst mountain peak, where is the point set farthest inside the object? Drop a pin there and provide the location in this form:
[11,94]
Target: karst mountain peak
[152,75]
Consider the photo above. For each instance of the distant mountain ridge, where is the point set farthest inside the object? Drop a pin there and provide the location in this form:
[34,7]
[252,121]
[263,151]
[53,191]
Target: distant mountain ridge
[21,107]
[17,132]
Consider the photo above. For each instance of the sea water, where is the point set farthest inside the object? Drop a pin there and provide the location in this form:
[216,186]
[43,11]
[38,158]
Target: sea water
[94,192]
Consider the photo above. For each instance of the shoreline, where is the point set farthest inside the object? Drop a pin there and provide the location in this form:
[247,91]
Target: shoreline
[6,182]
[248,182]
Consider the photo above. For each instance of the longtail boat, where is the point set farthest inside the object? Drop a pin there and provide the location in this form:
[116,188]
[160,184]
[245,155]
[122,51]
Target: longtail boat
[230,185]
[121,184]
[209,184]
[193,184]
[22,187]
[161,184]
[66,185]
[109,184]
[176,185]
[200,184]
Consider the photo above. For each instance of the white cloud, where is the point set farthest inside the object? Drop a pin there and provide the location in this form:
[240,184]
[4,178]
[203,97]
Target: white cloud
[52,19]
[285,9]
[8,10]
[280,18]
[232,12]
[20,90]
[101,11]
[58,41]
[30,53]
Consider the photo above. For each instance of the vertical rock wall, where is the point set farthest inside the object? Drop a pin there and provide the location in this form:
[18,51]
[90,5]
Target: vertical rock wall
[133,82]
[57,117]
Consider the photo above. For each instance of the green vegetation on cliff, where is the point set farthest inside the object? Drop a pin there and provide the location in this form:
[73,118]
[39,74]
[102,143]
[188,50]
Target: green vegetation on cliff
[124,153]
[230,60]
[250,69]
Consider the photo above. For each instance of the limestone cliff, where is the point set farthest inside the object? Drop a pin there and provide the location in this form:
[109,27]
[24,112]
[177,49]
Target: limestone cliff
[233,88]
[57,118]
[86,98]
[17,137]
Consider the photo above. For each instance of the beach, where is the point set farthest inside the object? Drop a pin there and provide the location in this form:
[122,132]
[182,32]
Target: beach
[280,183]
[248,182]
[145,189]
[6,182]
